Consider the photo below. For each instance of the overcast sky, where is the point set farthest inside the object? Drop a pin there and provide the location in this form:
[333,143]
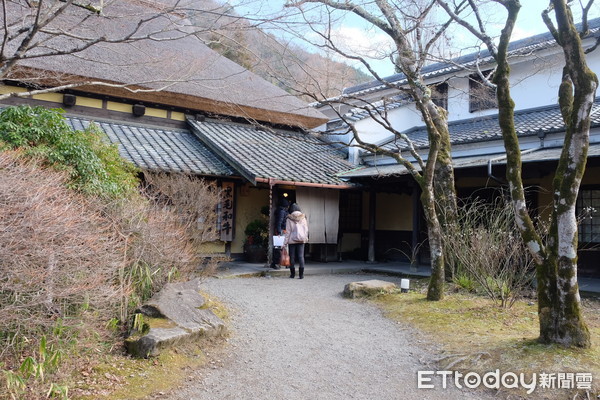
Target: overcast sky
[357,35]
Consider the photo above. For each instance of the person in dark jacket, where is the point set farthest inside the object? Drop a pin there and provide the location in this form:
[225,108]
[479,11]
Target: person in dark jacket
[280,216]
[280,219]
[296,235]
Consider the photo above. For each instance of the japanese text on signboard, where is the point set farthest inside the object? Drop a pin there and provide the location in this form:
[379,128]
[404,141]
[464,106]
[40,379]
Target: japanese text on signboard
[227,209]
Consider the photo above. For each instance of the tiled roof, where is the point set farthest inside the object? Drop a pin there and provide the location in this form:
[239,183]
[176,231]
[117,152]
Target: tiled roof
[527,123]
[281,155]
[158,149]
[518,47]
[549,154]
[376,108]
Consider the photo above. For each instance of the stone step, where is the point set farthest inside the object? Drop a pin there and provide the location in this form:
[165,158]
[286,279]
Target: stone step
[176,314]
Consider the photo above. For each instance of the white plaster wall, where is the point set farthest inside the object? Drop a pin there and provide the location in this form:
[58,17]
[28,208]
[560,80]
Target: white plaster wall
[404,118]
[535,83]
[458,99]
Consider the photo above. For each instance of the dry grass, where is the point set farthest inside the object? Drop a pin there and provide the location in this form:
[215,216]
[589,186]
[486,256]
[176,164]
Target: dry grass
[478,336]
[193,199]
[57,253]
[484,249]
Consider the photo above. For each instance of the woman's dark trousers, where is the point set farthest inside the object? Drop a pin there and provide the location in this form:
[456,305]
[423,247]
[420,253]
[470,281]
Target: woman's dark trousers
[296,253]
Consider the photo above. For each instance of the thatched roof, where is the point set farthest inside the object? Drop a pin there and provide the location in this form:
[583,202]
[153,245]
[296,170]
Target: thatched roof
[191,74]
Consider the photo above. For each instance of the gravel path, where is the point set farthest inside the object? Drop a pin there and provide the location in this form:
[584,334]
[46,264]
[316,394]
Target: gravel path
[299,339]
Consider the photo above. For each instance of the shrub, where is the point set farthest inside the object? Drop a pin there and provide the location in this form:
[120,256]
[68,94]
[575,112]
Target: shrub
[485,247]
[158,249]
[194,200]
[257,233]
[58,253]
[94,165]
[163,231]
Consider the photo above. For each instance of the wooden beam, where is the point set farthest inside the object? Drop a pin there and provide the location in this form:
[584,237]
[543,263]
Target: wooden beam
[372,222]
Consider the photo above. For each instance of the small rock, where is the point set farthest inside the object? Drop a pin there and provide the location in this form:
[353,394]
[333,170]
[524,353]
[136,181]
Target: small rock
[368,288]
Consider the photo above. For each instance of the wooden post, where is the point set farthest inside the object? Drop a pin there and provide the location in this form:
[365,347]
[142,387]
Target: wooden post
[271,230]
[228,249]
[415,259]
[372,220]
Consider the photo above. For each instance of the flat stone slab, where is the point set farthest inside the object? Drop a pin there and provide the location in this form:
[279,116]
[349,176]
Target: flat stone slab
[181,306]
[368,288]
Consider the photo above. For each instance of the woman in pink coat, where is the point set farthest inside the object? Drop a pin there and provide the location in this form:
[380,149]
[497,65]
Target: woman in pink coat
[296,236]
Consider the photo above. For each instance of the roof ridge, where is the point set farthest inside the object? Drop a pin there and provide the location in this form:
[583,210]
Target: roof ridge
[104,120]
[514,46]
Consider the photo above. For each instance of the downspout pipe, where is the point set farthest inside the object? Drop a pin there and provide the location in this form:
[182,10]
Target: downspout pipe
[489,169]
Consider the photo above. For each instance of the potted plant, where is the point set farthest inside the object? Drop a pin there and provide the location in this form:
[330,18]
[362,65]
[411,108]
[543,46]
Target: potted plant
[257,241]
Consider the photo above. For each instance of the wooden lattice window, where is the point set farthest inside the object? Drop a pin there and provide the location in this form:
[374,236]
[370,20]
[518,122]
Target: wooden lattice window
[350,211]
[588,211]
[481,96]
[439,95]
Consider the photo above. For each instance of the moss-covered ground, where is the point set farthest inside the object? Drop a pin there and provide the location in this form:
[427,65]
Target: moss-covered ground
[477,335]
[115,375]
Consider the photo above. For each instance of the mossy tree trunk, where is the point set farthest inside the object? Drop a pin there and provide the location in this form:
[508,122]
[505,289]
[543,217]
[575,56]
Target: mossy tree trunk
[437,176]
[559,305]
[440,204]
[561,319]
[444,185]
[445,198]
[435,289]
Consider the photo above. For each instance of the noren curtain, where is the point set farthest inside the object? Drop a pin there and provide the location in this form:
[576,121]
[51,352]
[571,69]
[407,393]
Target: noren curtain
[322,209]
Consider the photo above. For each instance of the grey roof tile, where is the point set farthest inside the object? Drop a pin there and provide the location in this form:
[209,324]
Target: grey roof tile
[158,149]
[547,154]
[282,155]
[527,123]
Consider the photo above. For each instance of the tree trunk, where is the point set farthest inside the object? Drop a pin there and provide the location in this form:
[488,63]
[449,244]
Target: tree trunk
[435,290]
[445,195]
[561,321]
[444,186]
[559,305]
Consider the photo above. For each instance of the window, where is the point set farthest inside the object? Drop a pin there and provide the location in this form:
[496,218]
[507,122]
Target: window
[588,212]
[350,211]
[439,95]
[481,96]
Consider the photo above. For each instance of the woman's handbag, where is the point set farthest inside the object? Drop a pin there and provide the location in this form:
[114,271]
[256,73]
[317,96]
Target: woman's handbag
[285,257]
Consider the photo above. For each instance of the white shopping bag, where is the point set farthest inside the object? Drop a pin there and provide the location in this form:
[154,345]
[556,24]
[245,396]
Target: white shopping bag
[278,241]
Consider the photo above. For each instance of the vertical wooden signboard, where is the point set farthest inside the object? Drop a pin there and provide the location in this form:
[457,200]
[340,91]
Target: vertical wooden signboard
[227,211]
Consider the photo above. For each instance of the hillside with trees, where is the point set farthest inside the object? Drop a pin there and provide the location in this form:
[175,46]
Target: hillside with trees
[284,64]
